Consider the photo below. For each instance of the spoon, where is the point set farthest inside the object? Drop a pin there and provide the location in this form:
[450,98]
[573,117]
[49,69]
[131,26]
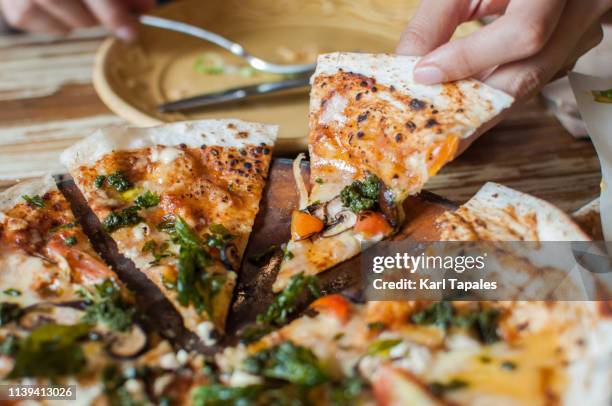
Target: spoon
[224,43]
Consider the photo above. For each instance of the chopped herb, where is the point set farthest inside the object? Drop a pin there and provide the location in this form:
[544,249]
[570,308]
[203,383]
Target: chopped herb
[439,314]
[508,365]
[119,181]
[9,312]
[166,225]
[288,362]
[34,201]
[218,237]
[219,395]
[50,351]
[127,217]
[338,336]
[285,303]
[99,181]
[159,251]
[482,321]
[361,195]
[263,257]
[319,181]
[147,200]
[377,325]
[12,292]
[66,226]
[486,325]
[70,241]
[194,284]
[603,96]
[439,389]
[106,306]
[382,347]
[287,254]
[292,375]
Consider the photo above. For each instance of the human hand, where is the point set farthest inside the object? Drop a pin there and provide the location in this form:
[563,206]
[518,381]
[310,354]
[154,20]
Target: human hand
[519,52]
[528,45]
[62,16]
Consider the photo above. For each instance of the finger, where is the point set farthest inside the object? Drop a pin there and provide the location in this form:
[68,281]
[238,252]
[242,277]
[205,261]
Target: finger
[28,16]
[72,13]
[432,25]
[589,40]
[523,79]
[435,22]
[114,15]
[521,32]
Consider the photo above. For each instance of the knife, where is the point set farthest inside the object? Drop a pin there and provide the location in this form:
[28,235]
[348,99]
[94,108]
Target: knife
[233,94]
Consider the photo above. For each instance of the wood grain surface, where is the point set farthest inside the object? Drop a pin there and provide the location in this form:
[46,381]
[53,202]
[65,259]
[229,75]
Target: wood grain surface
[47,102]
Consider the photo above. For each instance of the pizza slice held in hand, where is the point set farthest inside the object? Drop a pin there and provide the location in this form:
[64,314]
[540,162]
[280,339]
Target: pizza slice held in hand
[180,201]
[375,138]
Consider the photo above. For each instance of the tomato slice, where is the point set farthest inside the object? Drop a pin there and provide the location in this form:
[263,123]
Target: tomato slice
[303,225]
[372,223]
[334,304]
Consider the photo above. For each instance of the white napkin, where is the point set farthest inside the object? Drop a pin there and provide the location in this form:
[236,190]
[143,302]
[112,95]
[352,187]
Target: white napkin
[597,117]
[558,94]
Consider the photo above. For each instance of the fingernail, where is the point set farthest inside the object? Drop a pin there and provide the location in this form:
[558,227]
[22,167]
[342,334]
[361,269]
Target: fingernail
[126,33]
[428,75]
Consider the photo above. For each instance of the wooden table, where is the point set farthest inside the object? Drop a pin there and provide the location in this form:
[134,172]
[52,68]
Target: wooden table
[47,102]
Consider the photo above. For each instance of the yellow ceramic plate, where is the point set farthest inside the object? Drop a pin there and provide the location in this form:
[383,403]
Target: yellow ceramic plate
[164,66]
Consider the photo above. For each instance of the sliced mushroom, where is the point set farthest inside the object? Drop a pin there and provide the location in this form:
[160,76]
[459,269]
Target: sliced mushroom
[38,315]
[318,210]
[343,221]
[333,208]
[230,257]
[387,205]
[127,344]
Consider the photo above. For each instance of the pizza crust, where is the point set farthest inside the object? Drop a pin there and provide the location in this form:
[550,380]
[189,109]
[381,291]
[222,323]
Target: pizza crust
[224,133]
[396,70]
[13,195]
[553,224]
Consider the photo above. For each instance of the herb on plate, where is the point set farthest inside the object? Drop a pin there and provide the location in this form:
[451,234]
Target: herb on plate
[159,251]
[12,292]
[194,284]
[99,181]
[34,201]
[127,217]
[50,351]
[482,321]
[70,241]
[282,307]
[107,306]
[147,200]
[361,195]
[119,181]
[287,362]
